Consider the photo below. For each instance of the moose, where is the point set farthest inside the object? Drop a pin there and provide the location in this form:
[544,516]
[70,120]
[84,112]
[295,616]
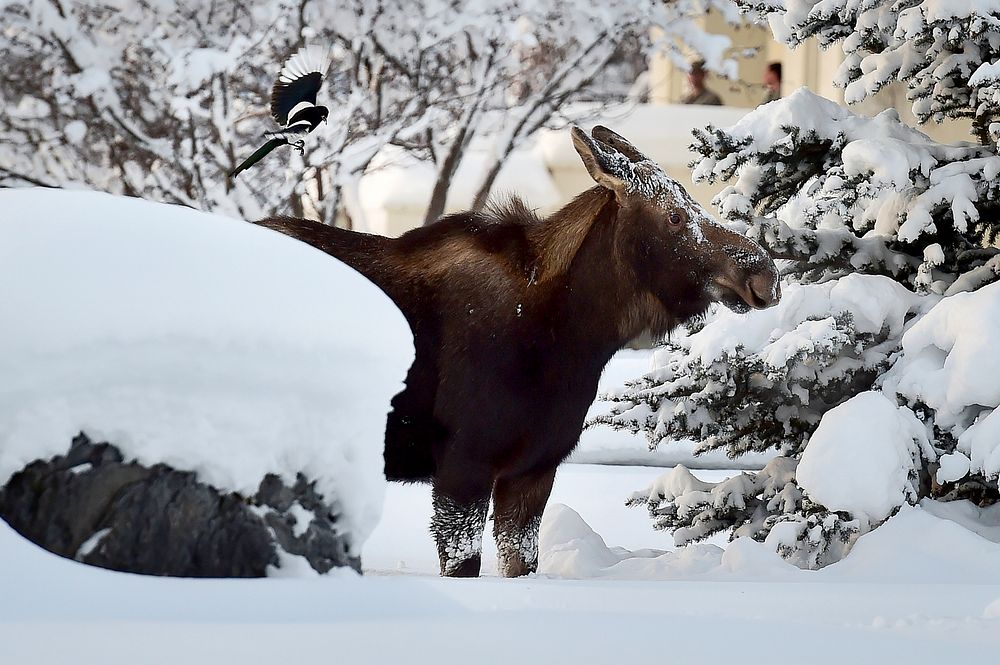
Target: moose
[514,318]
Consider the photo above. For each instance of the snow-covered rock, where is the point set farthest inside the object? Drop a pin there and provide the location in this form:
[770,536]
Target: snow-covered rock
[862,456]
[199,342]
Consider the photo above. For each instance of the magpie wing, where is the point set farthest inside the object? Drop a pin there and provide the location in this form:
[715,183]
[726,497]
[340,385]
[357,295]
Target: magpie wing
[299,81]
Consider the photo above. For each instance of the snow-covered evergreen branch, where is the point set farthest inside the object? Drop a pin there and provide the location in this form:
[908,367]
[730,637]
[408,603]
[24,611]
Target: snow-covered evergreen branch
[836,192]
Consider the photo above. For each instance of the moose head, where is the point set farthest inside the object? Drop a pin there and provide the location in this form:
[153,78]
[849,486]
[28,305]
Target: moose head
[685,258]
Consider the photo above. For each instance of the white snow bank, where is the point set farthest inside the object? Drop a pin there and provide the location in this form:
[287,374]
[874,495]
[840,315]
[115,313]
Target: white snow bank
[198,341]
[916,546]
[984,521]
[105,617]
[862,455]
[951,363]
[569,548]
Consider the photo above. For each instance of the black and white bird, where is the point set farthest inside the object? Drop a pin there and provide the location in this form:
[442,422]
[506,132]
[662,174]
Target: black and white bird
[293,103]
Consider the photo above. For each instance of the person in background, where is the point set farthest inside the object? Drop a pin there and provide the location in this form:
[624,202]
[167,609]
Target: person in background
[699,94]
[772,82]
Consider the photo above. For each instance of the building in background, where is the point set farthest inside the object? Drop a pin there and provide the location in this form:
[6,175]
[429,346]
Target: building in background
[808,65]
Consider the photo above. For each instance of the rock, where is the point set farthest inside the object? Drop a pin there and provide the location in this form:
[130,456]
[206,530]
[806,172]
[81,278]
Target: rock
[92,505]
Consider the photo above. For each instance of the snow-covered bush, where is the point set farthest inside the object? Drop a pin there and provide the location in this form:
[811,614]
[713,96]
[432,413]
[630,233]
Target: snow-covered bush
[834,194]
[198,342]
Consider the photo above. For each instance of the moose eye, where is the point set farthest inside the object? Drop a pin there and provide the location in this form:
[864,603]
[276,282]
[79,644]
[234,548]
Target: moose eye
[675,218]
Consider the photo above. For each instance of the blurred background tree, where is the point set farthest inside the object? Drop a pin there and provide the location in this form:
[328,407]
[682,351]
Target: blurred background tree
[162,99]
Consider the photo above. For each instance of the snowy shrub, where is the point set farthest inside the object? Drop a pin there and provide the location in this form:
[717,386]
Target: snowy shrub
[891,441]
[882,231]
[694,509]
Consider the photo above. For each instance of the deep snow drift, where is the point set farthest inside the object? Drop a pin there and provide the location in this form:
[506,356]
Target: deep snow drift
[199,341]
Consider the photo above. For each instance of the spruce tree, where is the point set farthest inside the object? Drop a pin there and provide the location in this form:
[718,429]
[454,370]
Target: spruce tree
[875,225]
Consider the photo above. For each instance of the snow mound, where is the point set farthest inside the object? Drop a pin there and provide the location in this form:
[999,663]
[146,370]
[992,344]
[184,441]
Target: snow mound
[861,457]
[925,546]
[951,363]
[917,544]
[984,521]
[570,549]
[201,342]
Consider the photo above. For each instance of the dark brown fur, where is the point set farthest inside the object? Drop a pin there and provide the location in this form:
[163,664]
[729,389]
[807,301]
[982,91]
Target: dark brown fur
[514,318]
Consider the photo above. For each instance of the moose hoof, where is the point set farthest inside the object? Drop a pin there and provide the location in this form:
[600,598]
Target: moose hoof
[466,568]
[517,568]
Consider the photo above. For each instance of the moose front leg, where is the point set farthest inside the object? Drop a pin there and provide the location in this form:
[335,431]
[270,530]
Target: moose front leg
[457,527]
[518,504]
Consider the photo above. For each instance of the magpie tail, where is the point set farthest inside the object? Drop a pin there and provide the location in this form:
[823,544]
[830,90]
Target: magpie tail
[258,155]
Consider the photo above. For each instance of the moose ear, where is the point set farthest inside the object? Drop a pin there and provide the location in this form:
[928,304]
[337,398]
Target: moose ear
[619,143]
[605,164]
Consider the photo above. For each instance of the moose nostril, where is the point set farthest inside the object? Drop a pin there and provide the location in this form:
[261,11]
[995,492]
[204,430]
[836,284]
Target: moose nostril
[764,289]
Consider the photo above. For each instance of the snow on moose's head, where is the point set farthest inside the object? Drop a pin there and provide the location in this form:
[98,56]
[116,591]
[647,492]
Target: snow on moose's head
[687,259]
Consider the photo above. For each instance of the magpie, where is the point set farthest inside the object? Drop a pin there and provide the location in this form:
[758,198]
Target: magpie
[293,104]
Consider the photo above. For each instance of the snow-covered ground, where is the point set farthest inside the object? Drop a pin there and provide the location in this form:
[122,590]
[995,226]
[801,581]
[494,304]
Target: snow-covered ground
[919,590]
[401,543]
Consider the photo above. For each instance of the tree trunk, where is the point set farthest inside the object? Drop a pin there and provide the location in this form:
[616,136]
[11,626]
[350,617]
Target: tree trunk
[483,195]
[439,195]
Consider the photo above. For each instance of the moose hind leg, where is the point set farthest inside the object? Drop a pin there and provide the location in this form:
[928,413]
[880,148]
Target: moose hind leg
[518,504]
[457,527]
